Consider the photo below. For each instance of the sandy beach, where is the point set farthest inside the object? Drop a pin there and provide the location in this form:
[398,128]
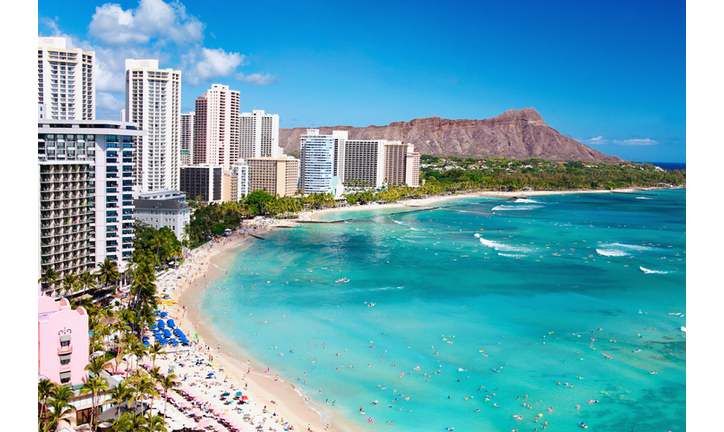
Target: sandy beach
[272,402]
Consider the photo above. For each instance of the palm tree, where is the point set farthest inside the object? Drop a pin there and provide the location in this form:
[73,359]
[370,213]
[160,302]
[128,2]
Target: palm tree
[59,410]
[87,281]
[120,394]
[146,387]
[70,283]
[167,382]
[156,423]
[124,423]
[95,365]
[107,272]
[49,278]
[154,350]
[94,386]
[46,389]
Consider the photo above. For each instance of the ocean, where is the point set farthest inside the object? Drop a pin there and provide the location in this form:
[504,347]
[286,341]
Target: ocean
[489,315]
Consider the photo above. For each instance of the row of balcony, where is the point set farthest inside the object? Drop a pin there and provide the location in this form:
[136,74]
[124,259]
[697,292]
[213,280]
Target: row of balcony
[64,240]
[70,250]
[68,261]
[80,194]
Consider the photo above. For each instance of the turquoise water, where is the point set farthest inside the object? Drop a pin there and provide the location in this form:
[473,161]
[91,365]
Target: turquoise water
[521,286]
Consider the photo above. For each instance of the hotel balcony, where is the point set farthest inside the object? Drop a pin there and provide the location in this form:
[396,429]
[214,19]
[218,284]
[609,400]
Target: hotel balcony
[65,350]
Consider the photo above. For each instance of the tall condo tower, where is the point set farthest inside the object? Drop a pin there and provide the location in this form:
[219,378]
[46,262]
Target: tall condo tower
[318,165]
[216,128]
[86,193]
[259,134]
[153,101]
[187,138]
[66,81]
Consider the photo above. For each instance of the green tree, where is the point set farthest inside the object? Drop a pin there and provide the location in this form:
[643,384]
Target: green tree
[94,386]
[49,279]
[107,272]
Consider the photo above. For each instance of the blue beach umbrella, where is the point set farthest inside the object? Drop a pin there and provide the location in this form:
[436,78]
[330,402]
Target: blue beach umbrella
[161,324]
[170,323]
[163,314]
[166,334]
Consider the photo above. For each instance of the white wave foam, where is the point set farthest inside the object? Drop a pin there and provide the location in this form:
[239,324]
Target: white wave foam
[511,255]
[620,249]
[526,200]
[515,207]
[643,198]
[647,271]
[501,246]
[612,252]
[477,235]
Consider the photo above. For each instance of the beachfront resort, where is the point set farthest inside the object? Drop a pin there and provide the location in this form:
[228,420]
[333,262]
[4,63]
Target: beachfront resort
[140,217]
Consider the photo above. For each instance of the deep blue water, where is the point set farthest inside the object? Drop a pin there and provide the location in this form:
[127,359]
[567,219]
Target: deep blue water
[520,286]
[669,165]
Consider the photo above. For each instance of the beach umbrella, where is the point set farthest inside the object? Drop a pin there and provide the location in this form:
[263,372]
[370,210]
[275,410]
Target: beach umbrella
[170,323]
[166,333]
[238,394]
[161,324]
[225,394]
[163,314]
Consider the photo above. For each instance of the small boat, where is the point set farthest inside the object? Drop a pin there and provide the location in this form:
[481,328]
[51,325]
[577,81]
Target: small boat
[495,370]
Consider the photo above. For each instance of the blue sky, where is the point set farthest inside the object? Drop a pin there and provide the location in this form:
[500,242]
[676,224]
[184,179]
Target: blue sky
[609,74]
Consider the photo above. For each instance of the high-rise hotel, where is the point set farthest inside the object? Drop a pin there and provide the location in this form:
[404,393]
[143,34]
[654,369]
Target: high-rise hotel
[153,102]
[259,134]
[86,193]
[330,160]
[216,127]
[187,138]
[66,84]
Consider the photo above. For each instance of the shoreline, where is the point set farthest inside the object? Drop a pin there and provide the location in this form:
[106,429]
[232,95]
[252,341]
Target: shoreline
[272,398]
[313,215]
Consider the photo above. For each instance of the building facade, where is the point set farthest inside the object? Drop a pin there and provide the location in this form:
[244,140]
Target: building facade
[63,341]
[363,164]
[259,134]
[316,162]
[236,182]
[175,195]
[66,81]
[203,181]
[402,164]
[153,102]
[217,123]
[275,175]
[167,213]
[86,193]
[187,139]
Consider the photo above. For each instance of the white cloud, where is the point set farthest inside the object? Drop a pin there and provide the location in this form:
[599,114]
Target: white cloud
[636,142]
[108,106]
[152,20]
[213,63]
[599,140]
[257,78]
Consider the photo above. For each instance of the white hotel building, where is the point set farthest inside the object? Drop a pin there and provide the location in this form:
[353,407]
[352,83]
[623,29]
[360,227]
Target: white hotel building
[259,134]
[153,102]
[86,185]
[66,83]
[317,163]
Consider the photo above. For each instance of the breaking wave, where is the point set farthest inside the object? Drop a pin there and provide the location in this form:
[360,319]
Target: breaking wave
[515,207]
[647,271]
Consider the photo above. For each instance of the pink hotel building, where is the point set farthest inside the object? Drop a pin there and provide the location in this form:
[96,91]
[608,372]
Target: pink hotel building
[63,341]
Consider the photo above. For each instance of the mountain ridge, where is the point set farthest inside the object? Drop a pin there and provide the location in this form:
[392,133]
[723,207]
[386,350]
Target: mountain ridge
[514,134]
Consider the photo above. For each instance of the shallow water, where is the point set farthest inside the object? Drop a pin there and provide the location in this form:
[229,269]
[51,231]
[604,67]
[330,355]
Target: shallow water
[521,286]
